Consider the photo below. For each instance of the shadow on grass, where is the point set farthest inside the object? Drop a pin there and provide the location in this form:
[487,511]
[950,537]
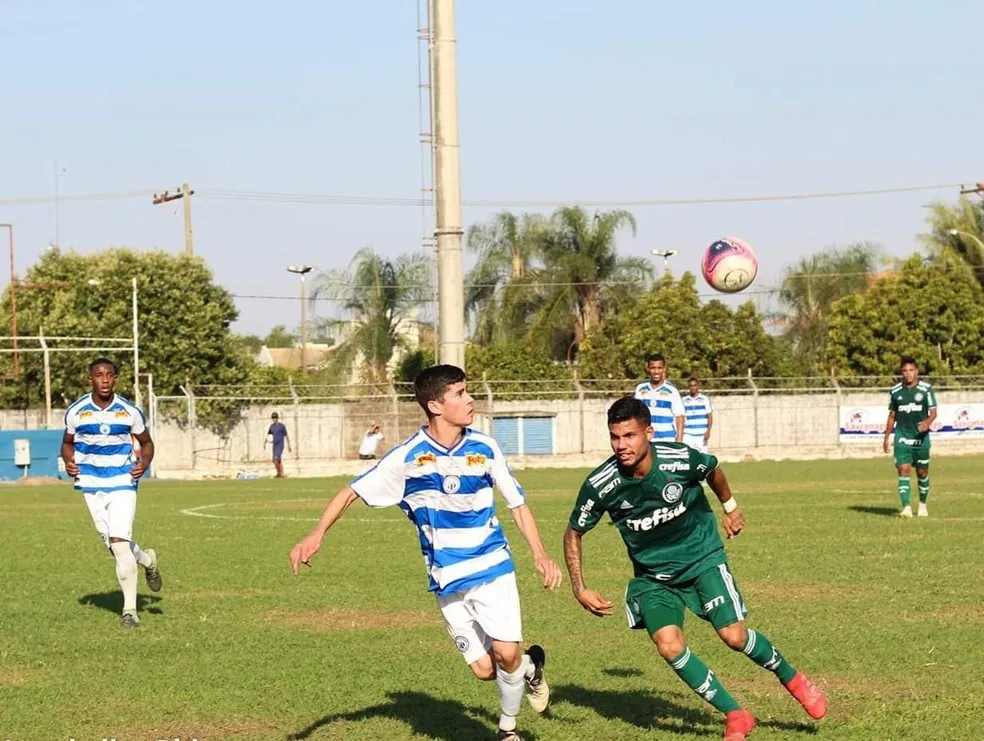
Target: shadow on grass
[113,601]
[640,708]
[790,727]
[868,510]
[444,720]
[623,672]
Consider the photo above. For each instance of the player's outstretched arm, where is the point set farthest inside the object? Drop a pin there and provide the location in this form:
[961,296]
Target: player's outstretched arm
[523,517]
[303,551]
[589,599]
[734,520]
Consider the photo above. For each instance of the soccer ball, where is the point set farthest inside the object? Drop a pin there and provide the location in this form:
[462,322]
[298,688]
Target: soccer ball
[729,265]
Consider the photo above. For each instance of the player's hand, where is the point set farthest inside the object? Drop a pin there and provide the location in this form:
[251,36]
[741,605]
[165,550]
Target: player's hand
[885,445]
[72,468]
[138,469]
[550,571]
[594,603]
[303,551]
[923,426]
[734,523]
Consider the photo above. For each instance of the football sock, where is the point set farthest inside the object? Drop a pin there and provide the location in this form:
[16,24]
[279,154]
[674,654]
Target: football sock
[126,573]
[924,489]
[512,685]
[904,485]
[762,652]
[698,677]
[142,558]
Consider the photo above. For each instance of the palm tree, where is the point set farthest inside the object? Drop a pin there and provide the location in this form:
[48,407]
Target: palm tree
[584,278]
[383,296]
[807,294]
[500,293]
[957,235]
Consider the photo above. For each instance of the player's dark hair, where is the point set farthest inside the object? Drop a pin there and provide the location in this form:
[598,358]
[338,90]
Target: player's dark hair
[907,360]
[629,407]
[103,361]
[654,356]
[693,378]
[431,383]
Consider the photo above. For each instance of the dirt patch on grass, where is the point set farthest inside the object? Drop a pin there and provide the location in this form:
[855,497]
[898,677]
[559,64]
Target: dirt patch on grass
[14,676]
[206,730]
[800,590]
[965,614]
[38,481]
[348,619]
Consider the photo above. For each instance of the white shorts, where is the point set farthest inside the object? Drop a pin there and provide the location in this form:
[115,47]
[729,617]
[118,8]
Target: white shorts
[488,612]
[113,513]
[696,442]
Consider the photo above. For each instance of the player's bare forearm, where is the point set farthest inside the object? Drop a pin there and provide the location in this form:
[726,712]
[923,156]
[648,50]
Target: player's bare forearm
[523,517]
[334,510]
[679,429]
[572,556]
[68,451]
[719,485]
[147,448]
[890,425]
[710,425]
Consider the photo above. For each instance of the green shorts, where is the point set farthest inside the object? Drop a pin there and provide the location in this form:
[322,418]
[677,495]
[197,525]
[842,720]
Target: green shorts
[713,596]
[915,455]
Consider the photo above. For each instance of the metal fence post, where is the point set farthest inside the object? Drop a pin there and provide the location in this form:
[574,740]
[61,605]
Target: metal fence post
[396,411]
[837,388]
[297,428]
[580,411]
[490,399]
[192,421]
[755,406]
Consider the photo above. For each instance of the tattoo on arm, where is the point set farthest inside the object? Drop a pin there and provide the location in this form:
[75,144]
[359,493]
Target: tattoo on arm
[572,555]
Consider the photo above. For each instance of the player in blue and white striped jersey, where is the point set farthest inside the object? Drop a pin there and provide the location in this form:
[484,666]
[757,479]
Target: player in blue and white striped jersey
[698,417]
[97,449]
[663,399]
[442,477]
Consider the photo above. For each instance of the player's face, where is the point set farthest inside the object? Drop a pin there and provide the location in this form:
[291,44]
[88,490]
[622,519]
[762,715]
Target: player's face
[630,442]
[910,374]
[694,388]
[458,407]
[103,380]
[656,370]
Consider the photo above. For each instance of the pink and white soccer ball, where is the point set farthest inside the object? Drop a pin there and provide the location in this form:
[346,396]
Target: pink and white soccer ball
[729,265]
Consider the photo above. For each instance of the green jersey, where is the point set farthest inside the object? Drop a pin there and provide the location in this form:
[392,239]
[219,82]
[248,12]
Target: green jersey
[664,518]
[911,405]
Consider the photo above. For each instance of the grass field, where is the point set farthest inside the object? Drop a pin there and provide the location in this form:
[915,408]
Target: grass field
[887,615]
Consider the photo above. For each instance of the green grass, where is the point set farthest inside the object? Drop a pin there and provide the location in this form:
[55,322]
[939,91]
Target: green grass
[885,614]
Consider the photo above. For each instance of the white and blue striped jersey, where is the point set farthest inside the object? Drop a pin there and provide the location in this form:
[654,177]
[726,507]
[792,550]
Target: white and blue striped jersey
[697,409]
[664,405]
[104,443]
[447,494]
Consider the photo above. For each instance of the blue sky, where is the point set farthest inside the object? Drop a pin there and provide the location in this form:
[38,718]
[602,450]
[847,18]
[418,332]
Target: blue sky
[558,100]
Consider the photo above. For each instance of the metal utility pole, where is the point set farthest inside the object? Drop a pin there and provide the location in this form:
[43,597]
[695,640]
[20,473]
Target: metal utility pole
[15,376]
[302,270]
[978,189]
[447,187]
[136,344]
[185,194]
[666,255]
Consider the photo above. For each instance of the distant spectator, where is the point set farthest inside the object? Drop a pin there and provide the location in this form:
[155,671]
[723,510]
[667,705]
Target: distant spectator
[699,417]
[370,442]
[277,434]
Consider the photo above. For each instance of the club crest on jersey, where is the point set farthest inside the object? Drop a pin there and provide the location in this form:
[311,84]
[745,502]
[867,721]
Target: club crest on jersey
[424,458]
[452,485]
[919,396]
[104,429]
[475,459]
[672,492]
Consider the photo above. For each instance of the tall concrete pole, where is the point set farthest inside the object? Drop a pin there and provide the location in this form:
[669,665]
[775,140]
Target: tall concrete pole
[447,188]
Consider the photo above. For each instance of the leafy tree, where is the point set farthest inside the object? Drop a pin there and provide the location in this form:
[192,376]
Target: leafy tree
[957,235]
[517,362]
[382,295]
[251,342]
[808,291]
[584,280]
[415,361]
[184,319]
[501,294]
[934,314]
[279,336]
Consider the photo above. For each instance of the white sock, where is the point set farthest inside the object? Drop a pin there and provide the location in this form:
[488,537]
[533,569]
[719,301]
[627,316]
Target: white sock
[512,685]
[142,558]
[126,573]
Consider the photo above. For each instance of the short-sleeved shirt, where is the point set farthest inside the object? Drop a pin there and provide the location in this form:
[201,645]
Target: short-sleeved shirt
[697,411]
[911,405]
[370,441]
[664,518]
[665,405]
[104,443]
[278,430]
[448,495]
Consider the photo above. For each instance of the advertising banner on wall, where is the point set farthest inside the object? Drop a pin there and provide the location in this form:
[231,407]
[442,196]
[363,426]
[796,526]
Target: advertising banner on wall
[867,423]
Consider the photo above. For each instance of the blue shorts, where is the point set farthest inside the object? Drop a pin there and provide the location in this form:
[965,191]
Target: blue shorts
[278,451]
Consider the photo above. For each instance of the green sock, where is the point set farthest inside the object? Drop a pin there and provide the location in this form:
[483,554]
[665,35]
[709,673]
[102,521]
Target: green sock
[762,652]
[703,681]
[924,489]
[904,485]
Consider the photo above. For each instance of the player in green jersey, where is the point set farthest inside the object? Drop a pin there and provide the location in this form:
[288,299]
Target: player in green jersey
[653,494]
[911,412]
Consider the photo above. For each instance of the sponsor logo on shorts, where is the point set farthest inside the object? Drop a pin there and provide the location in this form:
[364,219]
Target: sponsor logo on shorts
[716,602]
[659,516]
[672,492]
[452,484]
[462,643]
[674,466]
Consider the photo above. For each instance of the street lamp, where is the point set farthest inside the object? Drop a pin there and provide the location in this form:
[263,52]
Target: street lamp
[666,255]
[958,232]
[302,270]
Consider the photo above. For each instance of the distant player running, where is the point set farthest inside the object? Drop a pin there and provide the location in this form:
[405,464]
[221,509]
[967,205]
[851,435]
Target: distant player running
[911,413]
[442,478]
[97,449]
[652,492]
